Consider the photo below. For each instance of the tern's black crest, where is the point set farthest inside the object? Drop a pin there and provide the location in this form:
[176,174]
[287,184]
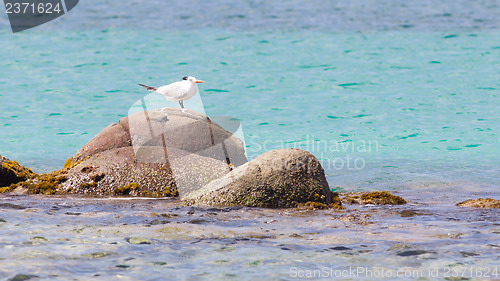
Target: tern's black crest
[185,78]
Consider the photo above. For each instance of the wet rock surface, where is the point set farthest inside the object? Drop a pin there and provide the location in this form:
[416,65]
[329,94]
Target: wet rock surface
[373,197]
[154,154]
[11,172]
[279,178]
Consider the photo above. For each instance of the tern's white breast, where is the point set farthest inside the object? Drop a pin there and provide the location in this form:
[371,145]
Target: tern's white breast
[178,91]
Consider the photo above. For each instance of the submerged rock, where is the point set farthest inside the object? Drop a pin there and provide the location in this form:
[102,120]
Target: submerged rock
[480,203]
[279,178]
[41,184]
[373,197]
[413,253]
[137,240]
[11,172]
[23,277]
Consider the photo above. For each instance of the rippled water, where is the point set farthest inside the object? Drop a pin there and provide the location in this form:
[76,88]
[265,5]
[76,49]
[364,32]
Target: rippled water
[60,238]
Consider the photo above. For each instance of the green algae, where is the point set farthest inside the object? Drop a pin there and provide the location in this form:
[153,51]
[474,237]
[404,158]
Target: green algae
[374,197]
[336,201]
[39,238]
[225,248]
[319,203]
[163,215]
[89,185]
[125,190]
[69,164]
[255,263]
[45,184]
[11,173]
[137,240]
[412,253]
[407,213]
[42,184]
[97,177]
[316,205]
[98,255]
[19,171]
[23,277]
[480,203]
[12,206]
[312,205]
[170,192]
[34,183]
[160,263]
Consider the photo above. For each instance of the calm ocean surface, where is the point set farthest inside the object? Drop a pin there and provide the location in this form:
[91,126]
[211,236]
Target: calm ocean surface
[388,94]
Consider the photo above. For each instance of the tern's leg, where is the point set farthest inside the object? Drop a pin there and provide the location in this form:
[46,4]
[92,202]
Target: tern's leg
[181,103]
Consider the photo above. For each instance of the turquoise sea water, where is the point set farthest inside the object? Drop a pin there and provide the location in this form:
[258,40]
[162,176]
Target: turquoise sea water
[385,102]
[388,94]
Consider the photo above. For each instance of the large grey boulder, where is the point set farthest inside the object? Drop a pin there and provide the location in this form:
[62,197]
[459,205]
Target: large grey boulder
[276,179]
[182,129]
[160,152]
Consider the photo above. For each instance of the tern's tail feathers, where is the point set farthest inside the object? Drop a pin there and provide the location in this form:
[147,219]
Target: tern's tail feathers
[149,88]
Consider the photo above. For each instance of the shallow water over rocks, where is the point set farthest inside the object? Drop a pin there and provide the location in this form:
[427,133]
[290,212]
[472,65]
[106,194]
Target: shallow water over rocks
[69,238]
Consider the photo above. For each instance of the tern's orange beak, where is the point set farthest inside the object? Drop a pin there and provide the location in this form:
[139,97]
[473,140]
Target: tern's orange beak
[199,81]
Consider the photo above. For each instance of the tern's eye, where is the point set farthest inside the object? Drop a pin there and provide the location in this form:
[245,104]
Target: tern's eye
[185,78]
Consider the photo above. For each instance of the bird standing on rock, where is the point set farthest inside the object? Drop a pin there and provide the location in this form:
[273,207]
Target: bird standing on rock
[177,91]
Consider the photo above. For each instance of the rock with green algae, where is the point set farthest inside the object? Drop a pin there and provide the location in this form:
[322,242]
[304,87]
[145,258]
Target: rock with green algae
[373,197]
[146,154]
[11,173]
[125,190]
[42,184]
[153,154]
[280,178]
[138,240]
[480,203]
[118,172]
[315,205]
[23,277]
